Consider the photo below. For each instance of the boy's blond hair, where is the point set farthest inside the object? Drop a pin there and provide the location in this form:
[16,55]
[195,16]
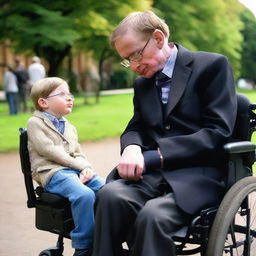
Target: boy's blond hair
[43,88]
[144,23]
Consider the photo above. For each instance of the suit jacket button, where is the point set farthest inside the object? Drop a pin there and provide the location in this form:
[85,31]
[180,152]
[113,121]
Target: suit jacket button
[167,127]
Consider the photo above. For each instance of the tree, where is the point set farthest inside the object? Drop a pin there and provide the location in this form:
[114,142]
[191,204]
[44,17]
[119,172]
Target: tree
[42,27]
[205,25]
[97,26]
[249,46]
[51,28]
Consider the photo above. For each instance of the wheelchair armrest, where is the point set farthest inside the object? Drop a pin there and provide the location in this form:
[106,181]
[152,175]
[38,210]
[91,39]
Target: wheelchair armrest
[53,199]
[239,147]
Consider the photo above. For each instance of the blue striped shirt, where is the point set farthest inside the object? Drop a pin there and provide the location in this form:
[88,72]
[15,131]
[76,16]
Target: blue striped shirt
[168,70]
[58,123]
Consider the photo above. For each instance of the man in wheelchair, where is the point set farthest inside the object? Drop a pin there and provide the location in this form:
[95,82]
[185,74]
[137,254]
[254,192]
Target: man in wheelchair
[172,153]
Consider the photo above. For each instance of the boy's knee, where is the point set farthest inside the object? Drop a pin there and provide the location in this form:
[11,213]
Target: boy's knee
[86,195]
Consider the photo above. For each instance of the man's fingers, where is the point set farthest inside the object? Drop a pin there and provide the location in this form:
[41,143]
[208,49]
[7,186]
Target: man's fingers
[138,172]
[130,171]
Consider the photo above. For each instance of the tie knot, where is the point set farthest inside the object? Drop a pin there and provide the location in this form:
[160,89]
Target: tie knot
[162,79]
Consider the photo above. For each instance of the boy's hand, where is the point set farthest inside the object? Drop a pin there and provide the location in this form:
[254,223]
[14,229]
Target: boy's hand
[86,175]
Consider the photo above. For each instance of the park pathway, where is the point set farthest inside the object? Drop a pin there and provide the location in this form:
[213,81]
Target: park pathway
[18,235]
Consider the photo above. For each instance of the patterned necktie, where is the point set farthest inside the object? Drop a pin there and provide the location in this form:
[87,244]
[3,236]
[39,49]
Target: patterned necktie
[163,82]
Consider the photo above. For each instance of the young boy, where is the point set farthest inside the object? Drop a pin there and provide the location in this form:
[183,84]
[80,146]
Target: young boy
[57,161]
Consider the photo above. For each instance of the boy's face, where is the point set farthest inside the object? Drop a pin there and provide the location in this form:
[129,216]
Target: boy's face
[59,102]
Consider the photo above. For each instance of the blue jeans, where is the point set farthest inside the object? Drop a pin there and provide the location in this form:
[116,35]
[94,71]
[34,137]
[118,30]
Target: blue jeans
[66,183]
[12,102]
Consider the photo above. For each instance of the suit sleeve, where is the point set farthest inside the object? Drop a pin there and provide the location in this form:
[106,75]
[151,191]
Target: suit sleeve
[133,134]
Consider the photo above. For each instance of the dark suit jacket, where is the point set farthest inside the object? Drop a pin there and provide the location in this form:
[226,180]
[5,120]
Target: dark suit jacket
[198,120]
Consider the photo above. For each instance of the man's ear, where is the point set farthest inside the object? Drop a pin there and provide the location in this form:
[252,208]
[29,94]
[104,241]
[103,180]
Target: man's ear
[42,103]
[159,37]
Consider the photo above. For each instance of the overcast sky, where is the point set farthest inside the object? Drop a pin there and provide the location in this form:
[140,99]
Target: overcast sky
[251,4]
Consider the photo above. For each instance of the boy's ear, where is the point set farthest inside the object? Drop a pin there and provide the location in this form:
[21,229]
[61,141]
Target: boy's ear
[43,103]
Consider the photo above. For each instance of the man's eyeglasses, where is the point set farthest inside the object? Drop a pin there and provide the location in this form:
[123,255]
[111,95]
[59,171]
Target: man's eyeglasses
[136,57]
[62,95]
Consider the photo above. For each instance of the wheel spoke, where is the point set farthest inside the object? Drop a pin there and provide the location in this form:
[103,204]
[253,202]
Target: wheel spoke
[234,229]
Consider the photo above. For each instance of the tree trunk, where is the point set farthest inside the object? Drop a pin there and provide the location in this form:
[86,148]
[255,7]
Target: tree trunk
[104,55]
[54,58]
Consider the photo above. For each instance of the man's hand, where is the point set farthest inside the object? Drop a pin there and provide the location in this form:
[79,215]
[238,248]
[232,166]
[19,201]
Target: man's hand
[131,164]
[86,175]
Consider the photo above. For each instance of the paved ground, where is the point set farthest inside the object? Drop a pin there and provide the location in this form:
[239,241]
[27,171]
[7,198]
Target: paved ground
[18,235]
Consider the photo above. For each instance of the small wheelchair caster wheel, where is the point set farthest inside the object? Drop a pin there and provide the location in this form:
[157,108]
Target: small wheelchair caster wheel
[45,253]
[54,251]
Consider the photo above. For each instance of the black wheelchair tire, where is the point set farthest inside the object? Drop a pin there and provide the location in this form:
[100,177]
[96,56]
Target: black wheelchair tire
[45,253]
[226,213]
[54,251]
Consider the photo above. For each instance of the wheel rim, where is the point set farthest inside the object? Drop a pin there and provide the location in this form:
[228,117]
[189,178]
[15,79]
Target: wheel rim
[241,237]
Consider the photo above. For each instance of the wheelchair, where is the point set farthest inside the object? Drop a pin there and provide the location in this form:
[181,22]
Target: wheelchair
[227,229]
[53,212]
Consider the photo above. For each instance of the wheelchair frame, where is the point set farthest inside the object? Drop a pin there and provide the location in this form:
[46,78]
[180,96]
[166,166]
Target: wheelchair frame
[208,231]
[53,212]
[212,228]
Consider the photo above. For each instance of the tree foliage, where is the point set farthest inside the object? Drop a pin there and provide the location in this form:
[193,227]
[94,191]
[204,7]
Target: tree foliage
[98,24]
[248,60]
[41,27]
[205,25]
[51,28]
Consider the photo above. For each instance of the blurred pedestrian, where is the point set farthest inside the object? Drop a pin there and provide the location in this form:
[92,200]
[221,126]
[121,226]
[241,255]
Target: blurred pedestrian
[36,71]
[11,90]
[22,79]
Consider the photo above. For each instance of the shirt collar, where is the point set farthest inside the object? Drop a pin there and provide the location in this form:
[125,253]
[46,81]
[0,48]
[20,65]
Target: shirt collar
[169,65]
[53,118]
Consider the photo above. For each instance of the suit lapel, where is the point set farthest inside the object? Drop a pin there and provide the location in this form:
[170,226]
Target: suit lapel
[151,102]
[181,74]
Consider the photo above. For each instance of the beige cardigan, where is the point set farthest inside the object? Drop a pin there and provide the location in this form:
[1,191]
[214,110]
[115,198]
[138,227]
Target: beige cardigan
[51,151]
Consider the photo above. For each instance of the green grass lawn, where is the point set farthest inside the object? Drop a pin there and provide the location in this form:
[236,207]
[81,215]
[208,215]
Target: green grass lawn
[93,121]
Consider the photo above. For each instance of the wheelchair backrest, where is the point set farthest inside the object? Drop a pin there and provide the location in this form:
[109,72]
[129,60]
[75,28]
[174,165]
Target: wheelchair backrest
[242,130]
[26,168]
[240,164]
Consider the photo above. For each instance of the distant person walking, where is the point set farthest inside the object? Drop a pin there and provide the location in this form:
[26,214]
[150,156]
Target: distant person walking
[36,71]
[11,90]
[22,79]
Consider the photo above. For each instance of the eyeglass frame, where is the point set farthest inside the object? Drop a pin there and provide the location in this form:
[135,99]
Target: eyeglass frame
[135,57]
[62,95]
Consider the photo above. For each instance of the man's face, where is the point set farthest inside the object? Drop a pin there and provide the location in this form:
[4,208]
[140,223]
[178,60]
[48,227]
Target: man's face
[131,43]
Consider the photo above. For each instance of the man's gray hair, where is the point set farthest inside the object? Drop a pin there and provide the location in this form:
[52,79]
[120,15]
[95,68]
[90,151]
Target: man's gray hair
[144,23]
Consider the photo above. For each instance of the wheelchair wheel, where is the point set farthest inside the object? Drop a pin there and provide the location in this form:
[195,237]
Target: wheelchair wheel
[45,253]
[233,232]
[54,251]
